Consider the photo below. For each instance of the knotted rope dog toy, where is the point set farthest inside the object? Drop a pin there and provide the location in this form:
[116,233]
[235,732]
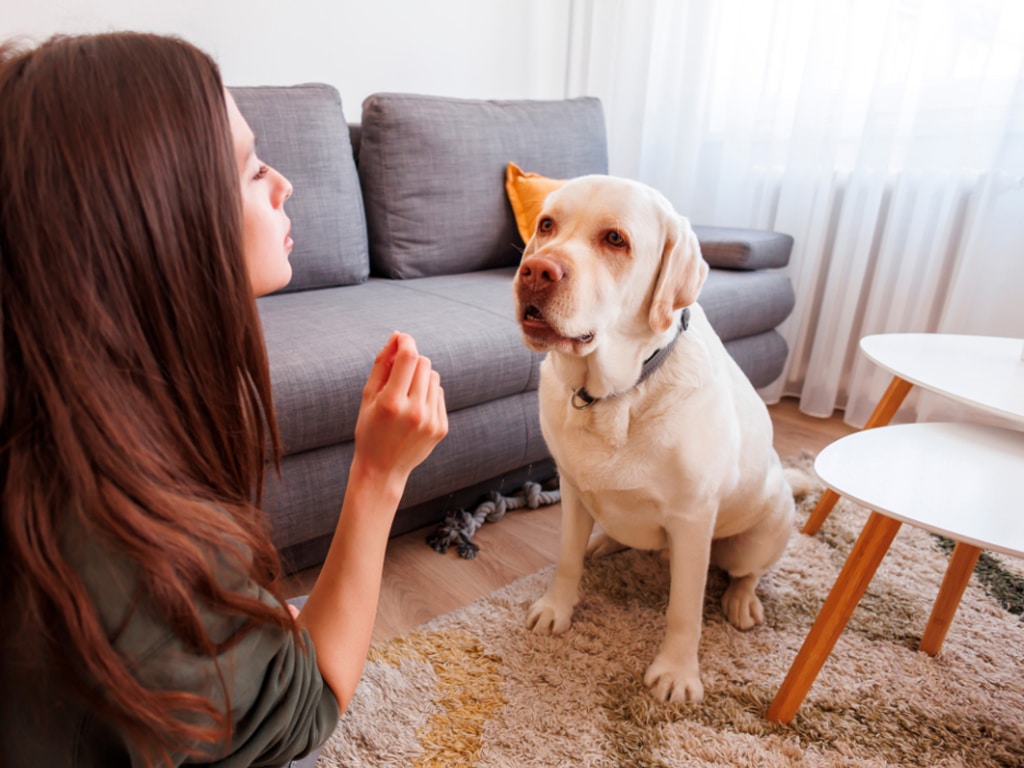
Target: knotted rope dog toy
[460,526]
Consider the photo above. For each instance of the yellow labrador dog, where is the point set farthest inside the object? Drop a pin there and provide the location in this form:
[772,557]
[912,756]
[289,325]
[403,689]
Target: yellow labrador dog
[658,435]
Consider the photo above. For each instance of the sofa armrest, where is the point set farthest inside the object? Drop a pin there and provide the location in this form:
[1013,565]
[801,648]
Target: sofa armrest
[738,248]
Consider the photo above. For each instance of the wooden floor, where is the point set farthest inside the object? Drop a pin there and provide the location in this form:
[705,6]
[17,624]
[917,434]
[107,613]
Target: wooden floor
[420,584]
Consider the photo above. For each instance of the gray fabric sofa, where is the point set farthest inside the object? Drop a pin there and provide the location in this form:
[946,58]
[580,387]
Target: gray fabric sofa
[401,221]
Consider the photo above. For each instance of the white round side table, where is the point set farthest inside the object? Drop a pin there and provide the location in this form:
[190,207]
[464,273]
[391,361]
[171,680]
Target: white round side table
[959,480]
[985,372]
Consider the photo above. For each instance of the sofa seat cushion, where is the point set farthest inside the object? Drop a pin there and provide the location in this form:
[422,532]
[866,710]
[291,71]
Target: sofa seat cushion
[302,132]
[433,175]
[322,344]
[487,443]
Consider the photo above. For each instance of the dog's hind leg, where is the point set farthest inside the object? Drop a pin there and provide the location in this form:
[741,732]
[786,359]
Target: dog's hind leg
[740,603]
[746,557]
[602,545]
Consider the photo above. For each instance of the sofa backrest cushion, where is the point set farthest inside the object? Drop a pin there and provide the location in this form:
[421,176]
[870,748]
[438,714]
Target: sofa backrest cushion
[302,132]
[433,175]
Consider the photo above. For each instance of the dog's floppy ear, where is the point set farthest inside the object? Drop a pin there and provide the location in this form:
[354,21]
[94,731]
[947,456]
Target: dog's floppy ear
[683,271]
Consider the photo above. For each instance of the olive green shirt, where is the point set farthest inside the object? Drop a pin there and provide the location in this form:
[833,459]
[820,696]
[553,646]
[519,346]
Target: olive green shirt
[280,707]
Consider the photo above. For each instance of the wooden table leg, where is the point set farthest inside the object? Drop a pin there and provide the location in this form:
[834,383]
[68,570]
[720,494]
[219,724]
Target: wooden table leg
[821,512]
[882,415]
[867,553]
[958,573]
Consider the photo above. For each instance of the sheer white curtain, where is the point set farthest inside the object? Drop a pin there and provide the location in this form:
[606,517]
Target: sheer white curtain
[886,136]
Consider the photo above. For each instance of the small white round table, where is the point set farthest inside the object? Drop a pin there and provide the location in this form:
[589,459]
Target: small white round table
[985,372]
[963,481]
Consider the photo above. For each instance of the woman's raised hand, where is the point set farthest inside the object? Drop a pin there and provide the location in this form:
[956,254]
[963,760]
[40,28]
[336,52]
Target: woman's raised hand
[402,415]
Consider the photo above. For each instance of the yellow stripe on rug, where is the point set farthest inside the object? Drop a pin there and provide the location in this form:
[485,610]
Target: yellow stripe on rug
[468,692]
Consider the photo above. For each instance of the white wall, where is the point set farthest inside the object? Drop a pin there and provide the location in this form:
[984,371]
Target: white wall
[501,49]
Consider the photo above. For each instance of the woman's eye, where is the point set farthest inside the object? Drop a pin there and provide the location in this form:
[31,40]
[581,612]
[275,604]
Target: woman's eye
[615,239]
[545,225]
[263,171]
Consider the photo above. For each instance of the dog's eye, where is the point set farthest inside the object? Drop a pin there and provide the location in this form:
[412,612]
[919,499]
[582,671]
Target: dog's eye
[545,225]
[615,239]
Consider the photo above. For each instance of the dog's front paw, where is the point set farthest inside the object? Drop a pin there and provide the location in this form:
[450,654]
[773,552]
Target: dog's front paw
[670,681]
[547,617]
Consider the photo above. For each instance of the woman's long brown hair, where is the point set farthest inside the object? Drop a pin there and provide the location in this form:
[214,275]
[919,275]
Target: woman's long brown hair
[135,400]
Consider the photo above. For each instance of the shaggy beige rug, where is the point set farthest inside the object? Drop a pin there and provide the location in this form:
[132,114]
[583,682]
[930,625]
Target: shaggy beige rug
[475,688]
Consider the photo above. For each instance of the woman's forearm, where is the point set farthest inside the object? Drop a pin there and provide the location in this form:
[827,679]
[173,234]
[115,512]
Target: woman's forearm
[401,418]
[342,605]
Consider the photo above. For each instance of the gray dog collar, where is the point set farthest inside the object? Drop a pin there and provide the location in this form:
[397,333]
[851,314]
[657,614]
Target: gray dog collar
[581,399]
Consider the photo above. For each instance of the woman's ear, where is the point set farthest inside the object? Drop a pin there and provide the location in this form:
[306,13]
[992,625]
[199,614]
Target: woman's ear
[681,276]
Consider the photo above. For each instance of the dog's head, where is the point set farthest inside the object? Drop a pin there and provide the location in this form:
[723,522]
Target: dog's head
[610,260]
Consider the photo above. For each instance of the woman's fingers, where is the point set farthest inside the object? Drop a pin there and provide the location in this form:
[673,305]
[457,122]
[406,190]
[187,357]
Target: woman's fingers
[419,387]
[382,363]
[440,407]
[403,415]
[403,367]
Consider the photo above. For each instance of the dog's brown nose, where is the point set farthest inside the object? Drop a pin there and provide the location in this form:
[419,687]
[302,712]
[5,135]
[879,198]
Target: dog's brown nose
[538,272]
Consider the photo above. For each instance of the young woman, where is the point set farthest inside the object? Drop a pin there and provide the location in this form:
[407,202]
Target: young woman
[142,621]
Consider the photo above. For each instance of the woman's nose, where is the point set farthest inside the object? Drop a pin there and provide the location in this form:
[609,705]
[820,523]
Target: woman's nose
[284,187]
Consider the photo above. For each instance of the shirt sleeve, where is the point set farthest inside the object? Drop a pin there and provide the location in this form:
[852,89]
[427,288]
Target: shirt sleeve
[280,707]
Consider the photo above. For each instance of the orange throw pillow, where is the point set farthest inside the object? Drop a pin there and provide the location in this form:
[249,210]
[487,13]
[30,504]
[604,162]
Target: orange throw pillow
[527,192]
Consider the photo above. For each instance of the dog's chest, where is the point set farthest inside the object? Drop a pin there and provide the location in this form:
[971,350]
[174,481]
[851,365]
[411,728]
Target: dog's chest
[621,486]
[605,448]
